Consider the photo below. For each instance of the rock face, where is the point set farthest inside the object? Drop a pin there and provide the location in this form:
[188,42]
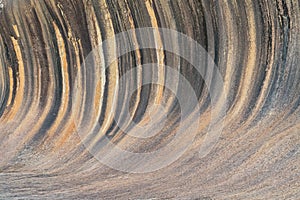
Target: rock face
[66,131]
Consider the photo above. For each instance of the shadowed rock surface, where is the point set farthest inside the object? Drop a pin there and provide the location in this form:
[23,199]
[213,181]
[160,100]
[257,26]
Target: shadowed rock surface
[47,96]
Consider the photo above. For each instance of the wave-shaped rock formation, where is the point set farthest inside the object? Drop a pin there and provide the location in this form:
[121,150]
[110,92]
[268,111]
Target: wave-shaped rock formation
[52,100]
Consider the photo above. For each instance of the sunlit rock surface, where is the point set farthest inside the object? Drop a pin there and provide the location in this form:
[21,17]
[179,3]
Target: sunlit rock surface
[48,97]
